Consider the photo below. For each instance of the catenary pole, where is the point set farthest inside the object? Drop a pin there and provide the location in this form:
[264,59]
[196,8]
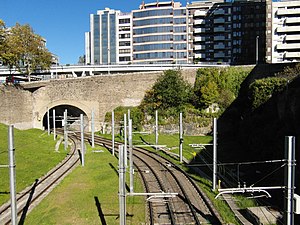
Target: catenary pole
[113,131]
[180,137]
[82,139]
[156,130]
[128,116]
[93,129]
[290,179]
[48,121]
[122,194]
[214,154]
[65,128]
[12,174]
[131,172]
[54,125]
[125,139]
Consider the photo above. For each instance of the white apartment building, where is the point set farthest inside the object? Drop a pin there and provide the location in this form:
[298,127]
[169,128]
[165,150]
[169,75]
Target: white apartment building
[109,39]
[283,32]
[124,38]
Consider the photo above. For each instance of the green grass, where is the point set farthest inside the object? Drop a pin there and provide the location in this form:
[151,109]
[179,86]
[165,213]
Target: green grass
[35,155]
[74,201]
[243,202]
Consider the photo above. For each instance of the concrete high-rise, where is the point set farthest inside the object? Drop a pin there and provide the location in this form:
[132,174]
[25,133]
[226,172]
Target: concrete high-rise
[208,31]
[160,33]
[283,31]
[231,32]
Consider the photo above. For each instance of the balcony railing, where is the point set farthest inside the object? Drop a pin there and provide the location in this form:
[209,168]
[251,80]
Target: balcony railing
[282,12]
[288,46]
[292,55]
[288,29]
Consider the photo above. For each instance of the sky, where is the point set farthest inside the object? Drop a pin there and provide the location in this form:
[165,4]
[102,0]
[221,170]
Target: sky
[61,22]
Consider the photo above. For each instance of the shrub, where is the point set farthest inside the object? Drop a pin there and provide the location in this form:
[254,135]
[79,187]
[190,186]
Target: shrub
[260,91]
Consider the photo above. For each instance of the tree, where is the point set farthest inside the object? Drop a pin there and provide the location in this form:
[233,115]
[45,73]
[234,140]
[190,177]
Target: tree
[218,85]
[290,72]
[2,35]
[25,50]
[209,94]
[7,56]
[81,60]
[261,90]
[170,91]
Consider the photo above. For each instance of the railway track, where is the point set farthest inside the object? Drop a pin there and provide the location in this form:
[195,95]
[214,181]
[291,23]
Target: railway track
[159,175]
[31,196]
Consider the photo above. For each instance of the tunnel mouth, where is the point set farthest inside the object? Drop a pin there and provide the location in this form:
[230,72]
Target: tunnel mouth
[73,117]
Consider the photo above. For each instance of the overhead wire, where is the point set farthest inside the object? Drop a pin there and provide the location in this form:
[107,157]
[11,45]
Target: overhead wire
[269,174]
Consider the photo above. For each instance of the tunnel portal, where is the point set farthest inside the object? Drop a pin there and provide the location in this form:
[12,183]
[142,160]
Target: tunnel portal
[73,115]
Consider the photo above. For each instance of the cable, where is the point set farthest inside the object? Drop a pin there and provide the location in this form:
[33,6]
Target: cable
[245,163]
[268,174]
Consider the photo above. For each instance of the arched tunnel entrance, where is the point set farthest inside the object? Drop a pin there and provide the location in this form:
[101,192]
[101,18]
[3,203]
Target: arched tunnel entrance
[73,115]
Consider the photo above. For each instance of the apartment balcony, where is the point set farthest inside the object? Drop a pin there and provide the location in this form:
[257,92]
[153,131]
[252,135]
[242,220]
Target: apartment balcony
[219,38]
[282,12]
[199,55]
[292,38]
[288,46]
[200,13]
[219,55]
[199,39]
[219,46]
[199,47]
[292,20]
[199,22]
[288,29]
[292,55]
[219,29]
[219,20]
[219,12]
[199,30]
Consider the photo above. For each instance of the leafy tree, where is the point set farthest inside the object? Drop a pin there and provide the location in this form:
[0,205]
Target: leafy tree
[25,50]
[209,93]
[169,93]
[2,35]
[290,72]
[260,91]
[81,60]
[218,85]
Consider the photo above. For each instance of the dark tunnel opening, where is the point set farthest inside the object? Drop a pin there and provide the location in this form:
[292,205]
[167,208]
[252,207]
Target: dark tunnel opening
[73,115]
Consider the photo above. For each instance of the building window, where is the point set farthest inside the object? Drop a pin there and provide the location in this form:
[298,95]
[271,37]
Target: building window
[124,51]
[124,43]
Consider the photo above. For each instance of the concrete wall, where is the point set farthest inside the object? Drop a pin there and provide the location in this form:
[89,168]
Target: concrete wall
[99,93]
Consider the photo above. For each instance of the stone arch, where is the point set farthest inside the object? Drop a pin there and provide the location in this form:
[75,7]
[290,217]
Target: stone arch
[42,111]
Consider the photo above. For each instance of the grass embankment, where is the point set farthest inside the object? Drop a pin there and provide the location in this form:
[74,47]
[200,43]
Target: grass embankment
[89,195]
[35,155]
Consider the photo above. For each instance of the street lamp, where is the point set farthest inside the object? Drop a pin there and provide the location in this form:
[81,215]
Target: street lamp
[108,60]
